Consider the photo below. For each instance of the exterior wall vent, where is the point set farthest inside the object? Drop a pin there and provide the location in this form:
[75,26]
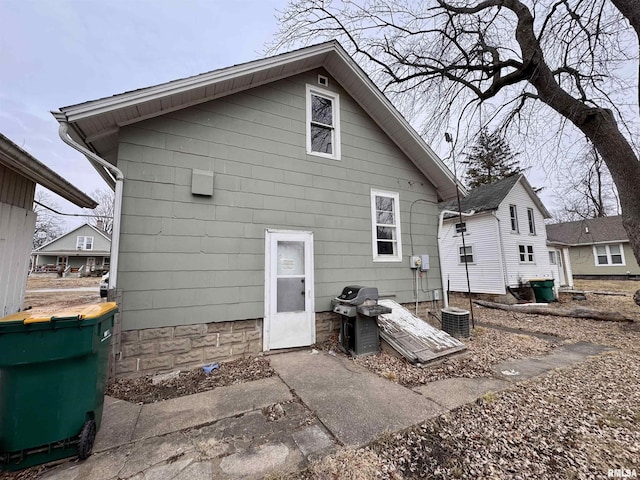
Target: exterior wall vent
[455,321]
[322,80]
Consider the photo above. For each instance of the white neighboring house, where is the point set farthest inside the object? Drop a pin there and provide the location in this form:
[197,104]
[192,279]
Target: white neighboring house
[505,238]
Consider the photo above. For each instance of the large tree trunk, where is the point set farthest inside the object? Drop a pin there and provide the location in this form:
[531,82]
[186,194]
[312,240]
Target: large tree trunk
[598,124]
[579,312]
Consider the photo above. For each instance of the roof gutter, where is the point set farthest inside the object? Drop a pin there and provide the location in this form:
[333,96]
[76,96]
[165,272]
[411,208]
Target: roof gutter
[63,131]
[24,163]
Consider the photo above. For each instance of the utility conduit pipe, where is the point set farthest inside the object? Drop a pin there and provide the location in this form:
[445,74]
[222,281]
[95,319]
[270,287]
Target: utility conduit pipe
[442,214]
[63,131]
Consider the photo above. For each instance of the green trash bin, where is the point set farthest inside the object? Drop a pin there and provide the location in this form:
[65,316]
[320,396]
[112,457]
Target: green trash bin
[53,371]
[543,289]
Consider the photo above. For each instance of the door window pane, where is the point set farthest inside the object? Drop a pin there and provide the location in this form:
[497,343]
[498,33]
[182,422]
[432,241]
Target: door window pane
[291,295]
[290,258]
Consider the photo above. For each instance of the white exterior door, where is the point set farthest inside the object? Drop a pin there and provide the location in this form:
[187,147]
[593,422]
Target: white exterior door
[289,319]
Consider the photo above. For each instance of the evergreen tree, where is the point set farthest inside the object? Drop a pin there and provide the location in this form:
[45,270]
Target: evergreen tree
[490,160]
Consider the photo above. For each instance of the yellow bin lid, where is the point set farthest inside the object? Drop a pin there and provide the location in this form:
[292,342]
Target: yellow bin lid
[81,312]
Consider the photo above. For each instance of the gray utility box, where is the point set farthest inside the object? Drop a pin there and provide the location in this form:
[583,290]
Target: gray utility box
[359,335]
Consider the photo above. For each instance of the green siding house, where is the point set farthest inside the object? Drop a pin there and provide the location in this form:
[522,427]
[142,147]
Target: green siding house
[84,251]
[598,247]
[250,196]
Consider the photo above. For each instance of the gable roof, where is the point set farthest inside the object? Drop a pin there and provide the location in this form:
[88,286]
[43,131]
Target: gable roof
[96,123]
[104,234]
[588,231]
[22,162]
[488,197]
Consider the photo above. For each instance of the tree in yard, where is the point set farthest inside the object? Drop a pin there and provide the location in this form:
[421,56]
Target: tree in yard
[513,58]
[588,191]
[102,216]
[490,159]
[48,224]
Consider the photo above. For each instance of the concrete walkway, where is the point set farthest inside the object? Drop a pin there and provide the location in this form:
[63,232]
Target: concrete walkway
[316,403]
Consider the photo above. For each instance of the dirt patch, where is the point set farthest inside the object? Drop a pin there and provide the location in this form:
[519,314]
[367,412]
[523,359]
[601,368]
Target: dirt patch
[143,390]
[46,282]
[627,286]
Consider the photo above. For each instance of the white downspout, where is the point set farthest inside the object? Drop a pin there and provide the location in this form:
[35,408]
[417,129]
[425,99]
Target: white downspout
[503,261]
[442,214]
[63,131]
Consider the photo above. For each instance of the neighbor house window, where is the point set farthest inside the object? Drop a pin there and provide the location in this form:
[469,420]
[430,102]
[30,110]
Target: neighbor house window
[609,254]
[532,222]
[84,243]
[385,219]
[323,123]
[466,254]
[526,253]
[552,258]
[461,227]
[513,214]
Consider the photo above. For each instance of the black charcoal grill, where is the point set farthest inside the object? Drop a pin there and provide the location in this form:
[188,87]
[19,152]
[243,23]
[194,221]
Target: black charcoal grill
[359,310]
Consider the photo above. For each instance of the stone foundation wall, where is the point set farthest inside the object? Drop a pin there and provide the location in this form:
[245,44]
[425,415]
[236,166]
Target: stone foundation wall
[159,350]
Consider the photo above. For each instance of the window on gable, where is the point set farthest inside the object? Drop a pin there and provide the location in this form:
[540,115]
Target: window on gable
[461,227]
[532,222]
[323,123]
[526,253]
[385,219]
[84,243]
[609,255]
[466,254]
[513,214]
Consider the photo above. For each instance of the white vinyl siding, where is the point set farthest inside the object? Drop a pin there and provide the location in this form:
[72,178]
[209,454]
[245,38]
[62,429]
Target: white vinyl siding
[385,220]
[323,123]
[485,266]
[608,254]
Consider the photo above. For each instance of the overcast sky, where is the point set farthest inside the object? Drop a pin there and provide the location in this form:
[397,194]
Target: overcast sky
[55,53]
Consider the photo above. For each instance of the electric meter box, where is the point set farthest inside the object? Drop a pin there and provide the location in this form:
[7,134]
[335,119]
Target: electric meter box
[424,265]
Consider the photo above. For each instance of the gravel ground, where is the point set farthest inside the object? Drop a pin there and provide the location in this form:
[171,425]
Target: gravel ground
[143,390]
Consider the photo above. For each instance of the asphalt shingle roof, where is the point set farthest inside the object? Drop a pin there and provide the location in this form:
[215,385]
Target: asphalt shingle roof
[485,197]
[588,231]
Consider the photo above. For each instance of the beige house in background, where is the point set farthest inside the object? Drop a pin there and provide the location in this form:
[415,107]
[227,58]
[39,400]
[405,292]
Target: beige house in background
[598,247]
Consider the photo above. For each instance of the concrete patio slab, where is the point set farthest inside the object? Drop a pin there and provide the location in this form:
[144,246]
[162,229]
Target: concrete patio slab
[206,407]
[454,392]
[119,420]
[355,404]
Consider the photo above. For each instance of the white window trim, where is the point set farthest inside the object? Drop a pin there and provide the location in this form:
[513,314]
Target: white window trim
[335,98]
[472,262]
[553,257]
[83,246]
[531,222]
[374,235]
[515,217]
[609,264]
[526,254]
